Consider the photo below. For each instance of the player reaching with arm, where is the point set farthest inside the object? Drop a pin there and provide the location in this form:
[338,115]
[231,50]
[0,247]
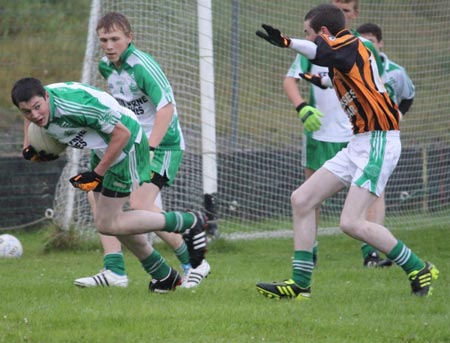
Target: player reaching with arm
[364,166]
[137,82]
[84,117]
[327,130]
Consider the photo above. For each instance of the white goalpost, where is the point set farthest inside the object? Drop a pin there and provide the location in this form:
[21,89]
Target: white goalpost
[74,155]
[243,138]
[73,203]
[207,107]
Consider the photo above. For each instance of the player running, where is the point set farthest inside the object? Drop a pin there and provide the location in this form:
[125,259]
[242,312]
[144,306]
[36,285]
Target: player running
[364,166]
[84,117]
[327,129]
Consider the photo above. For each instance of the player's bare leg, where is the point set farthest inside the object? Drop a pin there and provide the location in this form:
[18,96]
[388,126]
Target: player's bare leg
[305,200]
[147,198]
[113,272]
[376,214]
[111,219]
[420,273]
[354,221]
[308,173]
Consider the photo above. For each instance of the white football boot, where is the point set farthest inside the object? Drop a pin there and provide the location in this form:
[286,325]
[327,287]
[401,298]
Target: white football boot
[105,278]
[193,277]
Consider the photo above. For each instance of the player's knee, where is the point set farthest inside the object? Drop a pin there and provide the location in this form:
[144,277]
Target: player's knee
[299,201]
[104,225]
[349,225]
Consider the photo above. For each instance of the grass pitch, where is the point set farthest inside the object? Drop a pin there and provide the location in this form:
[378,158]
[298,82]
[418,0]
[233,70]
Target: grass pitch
[350,304]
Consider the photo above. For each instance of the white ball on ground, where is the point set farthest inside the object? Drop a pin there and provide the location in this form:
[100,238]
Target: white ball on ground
[10,246]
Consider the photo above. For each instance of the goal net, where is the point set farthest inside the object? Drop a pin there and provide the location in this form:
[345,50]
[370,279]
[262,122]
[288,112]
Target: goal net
[258,134]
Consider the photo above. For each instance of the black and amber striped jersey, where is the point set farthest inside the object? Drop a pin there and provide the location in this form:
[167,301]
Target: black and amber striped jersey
[358,86]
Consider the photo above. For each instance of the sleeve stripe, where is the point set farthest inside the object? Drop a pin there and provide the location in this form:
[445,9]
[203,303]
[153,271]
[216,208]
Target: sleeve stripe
[153,68]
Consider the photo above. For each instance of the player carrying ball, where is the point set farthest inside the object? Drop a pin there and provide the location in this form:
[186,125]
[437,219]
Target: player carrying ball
[84,117]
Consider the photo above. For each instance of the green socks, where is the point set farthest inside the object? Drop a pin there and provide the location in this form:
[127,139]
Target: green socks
[156,265]
[405,258]
[178,221]
[115,263]
[302,268]
[366,250]
[182,253]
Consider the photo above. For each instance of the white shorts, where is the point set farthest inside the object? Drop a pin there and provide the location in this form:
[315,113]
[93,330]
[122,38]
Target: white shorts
[368,160]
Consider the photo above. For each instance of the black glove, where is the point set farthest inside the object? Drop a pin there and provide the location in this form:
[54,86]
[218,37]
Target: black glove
[30,153]
[274,36]
[87,181]
[313,78]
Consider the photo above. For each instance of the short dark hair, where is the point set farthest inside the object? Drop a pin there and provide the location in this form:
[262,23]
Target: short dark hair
[113,20]
[371,28]
[326,15]
[26,88]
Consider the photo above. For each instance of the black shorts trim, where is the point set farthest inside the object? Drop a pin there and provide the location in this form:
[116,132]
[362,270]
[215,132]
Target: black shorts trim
[159,180]
[114,194]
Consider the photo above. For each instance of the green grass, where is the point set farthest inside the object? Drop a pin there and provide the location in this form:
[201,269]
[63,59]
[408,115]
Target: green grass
[350,304]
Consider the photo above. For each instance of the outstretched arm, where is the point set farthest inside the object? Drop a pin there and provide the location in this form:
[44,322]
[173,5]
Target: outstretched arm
[275,37]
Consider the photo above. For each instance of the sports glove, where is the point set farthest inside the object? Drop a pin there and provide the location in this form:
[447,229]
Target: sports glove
[30,153]
[314,79]
[274,36]
[87,181]
[152,153]
[309,116]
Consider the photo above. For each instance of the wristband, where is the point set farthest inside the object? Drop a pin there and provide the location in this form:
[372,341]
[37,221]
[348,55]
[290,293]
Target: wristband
[300,107]
[151,148]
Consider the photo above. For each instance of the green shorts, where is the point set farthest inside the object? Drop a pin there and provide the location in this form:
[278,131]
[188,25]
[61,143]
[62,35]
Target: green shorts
[166,163]
[135,167]
[316,153]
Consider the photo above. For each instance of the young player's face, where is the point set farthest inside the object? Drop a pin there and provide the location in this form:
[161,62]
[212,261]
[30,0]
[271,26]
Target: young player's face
[376,43]
[310,34]
[350,12]
[114,43]
[36,110]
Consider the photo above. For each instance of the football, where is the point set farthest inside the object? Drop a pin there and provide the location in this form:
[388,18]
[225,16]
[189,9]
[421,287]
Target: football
[10,246]
[40,141]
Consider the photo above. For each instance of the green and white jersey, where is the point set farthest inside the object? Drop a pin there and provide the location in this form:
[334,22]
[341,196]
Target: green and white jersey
[336,127]
[396,81]
[141,85]
[83,117]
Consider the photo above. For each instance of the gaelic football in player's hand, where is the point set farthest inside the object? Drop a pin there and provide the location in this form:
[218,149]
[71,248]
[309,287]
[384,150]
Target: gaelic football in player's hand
[30,153]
